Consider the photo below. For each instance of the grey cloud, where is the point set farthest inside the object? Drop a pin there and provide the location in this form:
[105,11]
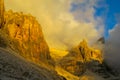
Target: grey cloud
[112,47]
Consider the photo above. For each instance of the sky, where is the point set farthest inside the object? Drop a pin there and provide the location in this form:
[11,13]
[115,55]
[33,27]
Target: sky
[66,22]
[108,10]
[111,32]
[112,12]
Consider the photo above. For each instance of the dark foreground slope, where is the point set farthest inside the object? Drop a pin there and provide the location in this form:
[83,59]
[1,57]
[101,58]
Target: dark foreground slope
[14,67]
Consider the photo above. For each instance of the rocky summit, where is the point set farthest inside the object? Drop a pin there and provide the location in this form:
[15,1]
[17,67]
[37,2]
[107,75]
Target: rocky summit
[78,58]
[25,36]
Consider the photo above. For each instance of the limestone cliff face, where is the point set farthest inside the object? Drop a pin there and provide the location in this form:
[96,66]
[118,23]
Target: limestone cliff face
[25,36]
[2,9]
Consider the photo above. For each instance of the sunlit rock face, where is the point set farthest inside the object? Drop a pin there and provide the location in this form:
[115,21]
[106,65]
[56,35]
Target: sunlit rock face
[25,36]
[79,58]
[1,13]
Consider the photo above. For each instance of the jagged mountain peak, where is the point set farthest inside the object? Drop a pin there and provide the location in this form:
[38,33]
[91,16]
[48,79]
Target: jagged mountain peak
[25,36]
[78,57]
[101,40]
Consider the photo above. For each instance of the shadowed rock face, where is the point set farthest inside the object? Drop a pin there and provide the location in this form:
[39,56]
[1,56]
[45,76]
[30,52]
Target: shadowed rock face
[14,67]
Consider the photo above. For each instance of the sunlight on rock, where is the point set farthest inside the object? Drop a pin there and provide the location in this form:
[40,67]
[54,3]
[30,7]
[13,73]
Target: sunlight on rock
[87,78]
[58,54]
[78,58]
[25,36]
[89,53]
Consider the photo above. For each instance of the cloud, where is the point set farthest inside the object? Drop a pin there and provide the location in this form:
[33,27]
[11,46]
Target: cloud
[62,27]
[112,47]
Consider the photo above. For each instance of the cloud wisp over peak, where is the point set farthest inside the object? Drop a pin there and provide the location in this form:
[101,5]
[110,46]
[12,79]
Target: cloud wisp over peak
[64,22]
